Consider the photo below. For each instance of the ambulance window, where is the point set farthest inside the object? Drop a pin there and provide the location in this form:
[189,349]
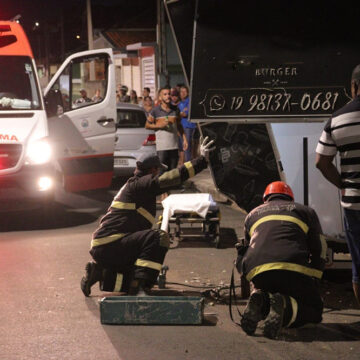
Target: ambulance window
[89,78]
[18,85]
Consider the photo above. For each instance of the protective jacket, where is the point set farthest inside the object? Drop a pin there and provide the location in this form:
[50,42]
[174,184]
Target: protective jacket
[283,235]
[134,207]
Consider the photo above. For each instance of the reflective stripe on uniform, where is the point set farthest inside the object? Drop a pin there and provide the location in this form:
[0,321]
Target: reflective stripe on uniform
[148,264]
[146,215]
[288,218]
[118,282]
[132,206]
[323,246]
[106,239]
[170,178]
[284,266]
[190,168]
[294,307]
[123,205]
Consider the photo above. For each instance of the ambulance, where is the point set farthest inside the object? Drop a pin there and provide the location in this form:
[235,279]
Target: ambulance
[61,138]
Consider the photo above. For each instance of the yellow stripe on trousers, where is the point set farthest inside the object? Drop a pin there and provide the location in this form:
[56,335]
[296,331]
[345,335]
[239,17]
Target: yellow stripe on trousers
[294,307]
[118,282]
[106,239]
[149,264]
[284,266]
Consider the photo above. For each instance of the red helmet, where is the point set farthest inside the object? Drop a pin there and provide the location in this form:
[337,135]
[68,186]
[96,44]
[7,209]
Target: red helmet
[278,187]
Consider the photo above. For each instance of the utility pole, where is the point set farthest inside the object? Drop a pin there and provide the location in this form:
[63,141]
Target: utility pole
[62,38]
[89,25]
[161,41]
[90,38]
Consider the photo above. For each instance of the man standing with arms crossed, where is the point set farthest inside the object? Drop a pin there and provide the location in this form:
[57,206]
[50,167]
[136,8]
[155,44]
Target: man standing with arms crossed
[189,127]
[165,120]
[342,134]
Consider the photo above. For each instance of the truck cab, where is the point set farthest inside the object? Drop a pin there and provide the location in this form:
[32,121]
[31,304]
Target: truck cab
[64,137]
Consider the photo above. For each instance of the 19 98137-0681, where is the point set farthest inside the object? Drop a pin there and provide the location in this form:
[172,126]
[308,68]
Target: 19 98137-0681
[275,101]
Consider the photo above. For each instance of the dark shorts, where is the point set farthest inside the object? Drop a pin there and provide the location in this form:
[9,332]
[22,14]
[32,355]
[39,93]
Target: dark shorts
[169,157]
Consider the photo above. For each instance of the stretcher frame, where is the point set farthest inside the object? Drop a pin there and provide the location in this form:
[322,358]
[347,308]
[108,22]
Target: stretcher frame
[209,226]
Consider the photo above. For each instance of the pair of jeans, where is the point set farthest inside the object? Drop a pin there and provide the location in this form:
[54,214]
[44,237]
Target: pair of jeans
[352,233]
[189,133]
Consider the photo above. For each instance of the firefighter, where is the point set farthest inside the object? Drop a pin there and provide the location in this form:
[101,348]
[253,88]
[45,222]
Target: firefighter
[128,254]
[284,256]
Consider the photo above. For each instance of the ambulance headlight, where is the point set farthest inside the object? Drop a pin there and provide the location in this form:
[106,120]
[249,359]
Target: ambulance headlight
[45,183]
[38,152]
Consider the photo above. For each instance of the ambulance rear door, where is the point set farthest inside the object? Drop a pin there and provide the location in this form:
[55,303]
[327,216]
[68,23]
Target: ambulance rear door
[81,106]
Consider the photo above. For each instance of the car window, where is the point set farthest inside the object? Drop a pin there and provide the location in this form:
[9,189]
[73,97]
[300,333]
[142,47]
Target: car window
[130,119]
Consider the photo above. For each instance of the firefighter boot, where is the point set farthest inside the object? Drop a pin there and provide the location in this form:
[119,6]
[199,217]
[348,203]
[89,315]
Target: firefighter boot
[274,321]
[139,287]
[93,274]
[254,312]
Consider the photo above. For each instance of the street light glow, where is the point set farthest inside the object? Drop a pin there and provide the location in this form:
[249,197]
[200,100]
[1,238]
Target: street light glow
[78,36]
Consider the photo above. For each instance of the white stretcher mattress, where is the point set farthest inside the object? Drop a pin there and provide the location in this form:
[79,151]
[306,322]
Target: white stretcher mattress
[198,203]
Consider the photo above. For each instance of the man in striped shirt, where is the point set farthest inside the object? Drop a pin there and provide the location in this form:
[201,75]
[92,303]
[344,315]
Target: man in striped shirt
[342,134]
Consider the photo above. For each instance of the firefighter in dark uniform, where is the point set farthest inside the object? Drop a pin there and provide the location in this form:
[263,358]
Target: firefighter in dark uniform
[284,256]
[128,253]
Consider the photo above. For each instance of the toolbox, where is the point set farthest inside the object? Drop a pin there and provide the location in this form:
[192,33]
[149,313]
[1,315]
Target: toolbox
[152,310]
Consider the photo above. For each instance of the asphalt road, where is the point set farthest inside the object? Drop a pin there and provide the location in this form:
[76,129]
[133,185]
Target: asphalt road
[44,314]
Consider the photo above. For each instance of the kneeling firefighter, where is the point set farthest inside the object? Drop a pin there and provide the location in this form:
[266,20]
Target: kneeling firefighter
[284,256]
[128,254]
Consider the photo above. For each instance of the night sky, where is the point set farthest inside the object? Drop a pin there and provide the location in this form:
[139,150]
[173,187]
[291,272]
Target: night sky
[49,13]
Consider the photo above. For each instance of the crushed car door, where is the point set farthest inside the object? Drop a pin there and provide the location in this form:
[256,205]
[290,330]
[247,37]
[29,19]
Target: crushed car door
[81,106]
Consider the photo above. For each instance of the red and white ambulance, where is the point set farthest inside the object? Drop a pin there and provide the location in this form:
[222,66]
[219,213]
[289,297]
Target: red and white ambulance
[62,138]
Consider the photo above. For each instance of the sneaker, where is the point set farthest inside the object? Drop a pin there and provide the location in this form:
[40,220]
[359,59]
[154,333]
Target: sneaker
[254,312]
[93,274]
[273,322]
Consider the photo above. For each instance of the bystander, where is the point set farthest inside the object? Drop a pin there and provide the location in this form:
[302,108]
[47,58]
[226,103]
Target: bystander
[342,134]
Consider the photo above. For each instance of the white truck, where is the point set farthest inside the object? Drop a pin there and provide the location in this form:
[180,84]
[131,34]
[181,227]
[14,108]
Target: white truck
[63,138]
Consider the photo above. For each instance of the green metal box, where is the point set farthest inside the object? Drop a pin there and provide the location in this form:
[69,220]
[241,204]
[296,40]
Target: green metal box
[155,310]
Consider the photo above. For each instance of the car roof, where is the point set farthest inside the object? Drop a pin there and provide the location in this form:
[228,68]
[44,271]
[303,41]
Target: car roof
[128,106]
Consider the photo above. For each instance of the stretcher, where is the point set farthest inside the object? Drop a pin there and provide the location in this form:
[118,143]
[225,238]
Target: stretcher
[191,215]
